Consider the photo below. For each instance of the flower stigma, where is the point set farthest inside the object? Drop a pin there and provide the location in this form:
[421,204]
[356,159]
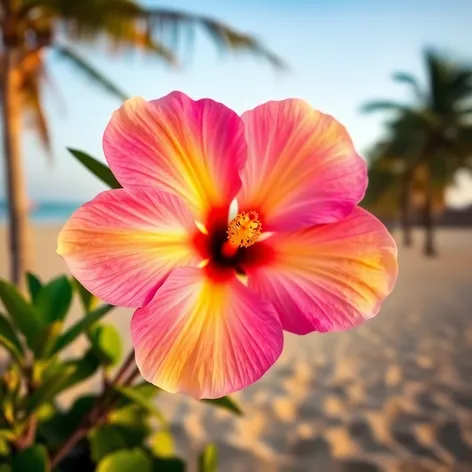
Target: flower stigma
[245,229]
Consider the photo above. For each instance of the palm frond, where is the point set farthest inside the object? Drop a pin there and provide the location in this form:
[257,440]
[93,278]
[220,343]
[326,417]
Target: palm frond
[66,52]
[410,80]
[384,105]
[225,37]
[461,84]
[463,146]
[33,74]
[157,30]
[39,120]
[135,38]
[420,118]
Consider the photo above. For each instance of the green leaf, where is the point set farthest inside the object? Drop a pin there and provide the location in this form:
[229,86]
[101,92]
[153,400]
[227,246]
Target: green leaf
[162,444]
[81,407]
[45,340]
[5,468]
[55,430]
[7,435]
[74,370]
[52,431]
[54,299]
[144,389]
[168,465]
[89,301]
[135,435]
[81,327]
[20,311]
[34,285]
[46,392]
[226,403]
[46,412]
[141,400]
[80,370]
[96,167]
[208,459]
[107,344]
[33,459]
[132,422]
[104,440]
[126,461]
[4,448]
[9,339]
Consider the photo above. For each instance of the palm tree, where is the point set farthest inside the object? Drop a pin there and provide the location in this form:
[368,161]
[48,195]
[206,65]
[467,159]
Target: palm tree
[431,129]
[392,171]
[31,27]
[395,188]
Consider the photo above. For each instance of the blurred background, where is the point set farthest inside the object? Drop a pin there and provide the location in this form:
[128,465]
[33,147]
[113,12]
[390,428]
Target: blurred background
[392,395]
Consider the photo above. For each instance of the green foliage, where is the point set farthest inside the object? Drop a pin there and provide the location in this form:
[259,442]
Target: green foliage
[124,461]
[34,285]
[53,300]
[106,343]
[81,327]
[226,403]
[9,339]
[105,440]
[89,302]
[80,369]
[96,168]
[22,314]
[47,391]
[208,459]
[33,459]
[170,464]
[141,400]
[121,432]
[162,444]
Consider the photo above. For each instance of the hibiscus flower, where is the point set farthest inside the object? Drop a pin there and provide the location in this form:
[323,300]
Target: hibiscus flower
[229,230]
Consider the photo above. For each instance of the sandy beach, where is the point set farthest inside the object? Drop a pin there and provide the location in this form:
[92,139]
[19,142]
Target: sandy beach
[392,395]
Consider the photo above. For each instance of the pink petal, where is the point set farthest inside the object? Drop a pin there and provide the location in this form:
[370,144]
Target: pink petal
[124,243]
[329,277]
[193,149]
[302,167]
[203,338]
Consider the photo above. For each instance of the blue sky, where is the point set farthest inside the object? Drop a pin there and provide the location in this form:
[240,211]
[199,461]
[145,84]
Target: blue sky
[341,53]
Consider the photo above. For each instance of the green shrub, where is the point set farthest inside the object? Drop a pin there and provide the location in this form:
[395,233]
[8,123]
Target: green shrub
[107,431]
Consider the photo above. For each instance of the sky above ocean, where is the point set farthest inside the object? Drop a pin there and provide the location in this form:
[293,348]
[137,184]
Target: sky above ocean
[340,52]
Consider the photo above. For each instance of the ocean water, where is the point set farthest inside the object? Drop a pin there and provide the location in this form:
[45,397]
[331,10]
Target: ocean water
[45,212]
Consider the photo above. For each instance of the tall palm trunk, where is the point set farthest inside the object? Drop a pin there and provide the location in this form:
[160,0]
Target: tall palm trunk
[405,209]
[15,183]
[428,223]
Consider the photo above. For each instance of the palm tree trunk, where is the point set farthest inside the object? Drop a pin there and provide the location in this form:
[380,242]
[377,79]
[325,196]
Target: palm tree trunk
[15,183]
[429,242]
[405,210]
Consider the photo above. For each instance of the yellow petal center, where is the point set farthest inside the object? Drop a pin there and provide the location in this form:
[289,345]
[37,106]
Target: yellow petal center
[244,230]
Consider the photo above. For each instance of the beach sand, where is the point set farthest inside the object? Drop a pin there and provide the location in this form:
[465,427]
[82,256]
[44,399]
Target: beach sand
[392,395]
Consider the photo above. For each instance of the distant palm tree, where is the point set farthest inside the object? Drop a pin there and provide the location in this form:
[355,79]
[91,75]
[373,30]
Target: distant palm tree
[434,133]
[28,28]
[391,172]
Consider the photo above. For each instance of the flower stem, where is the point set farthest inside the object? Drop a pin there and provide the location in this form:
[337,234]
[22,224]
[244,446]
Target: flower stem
[99,411]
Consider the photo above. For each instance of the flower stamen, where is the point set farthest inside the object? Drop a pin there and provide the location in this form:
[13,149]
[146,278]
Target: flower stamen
[244,230]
